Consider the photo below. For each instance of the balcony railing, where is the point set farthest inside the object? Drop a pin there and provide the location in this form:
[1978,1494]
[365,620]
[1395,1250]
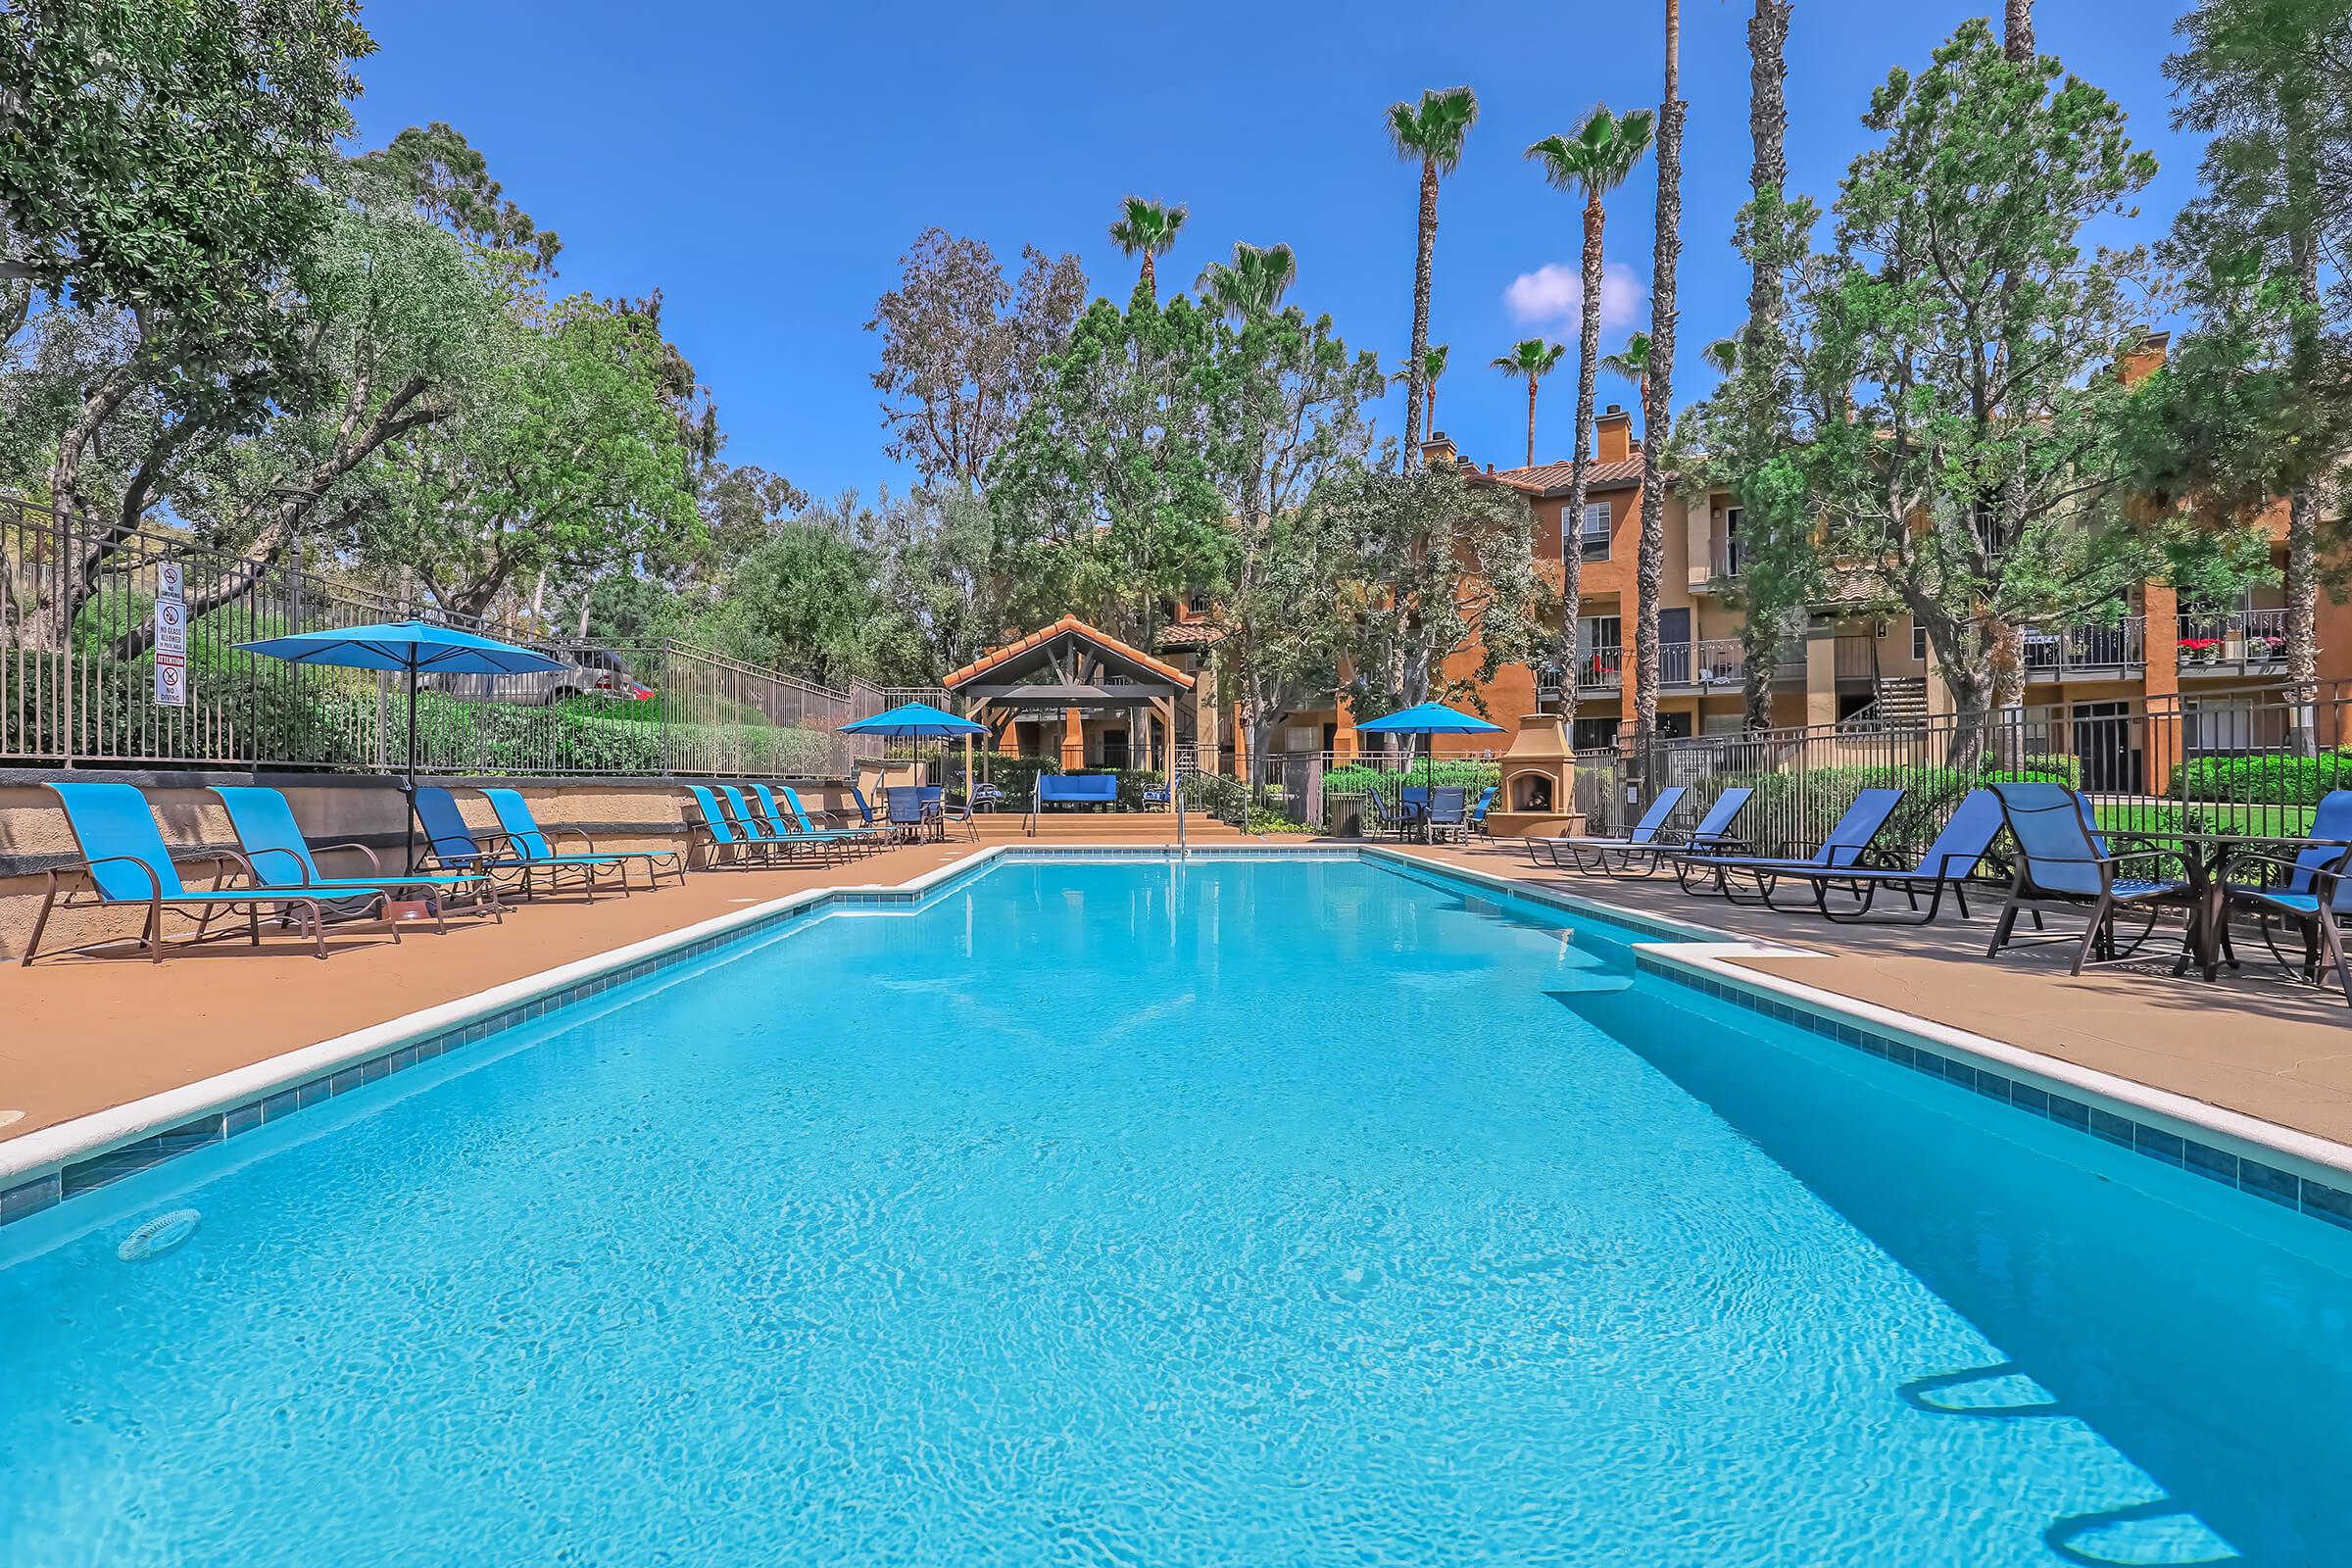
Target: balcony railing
[1717,662]
[2054,656]
[2251,642]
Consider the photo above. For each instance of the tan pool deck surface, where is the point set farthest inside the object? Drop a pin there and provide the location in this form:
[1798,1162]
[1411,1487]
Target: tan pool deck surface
[78,1035]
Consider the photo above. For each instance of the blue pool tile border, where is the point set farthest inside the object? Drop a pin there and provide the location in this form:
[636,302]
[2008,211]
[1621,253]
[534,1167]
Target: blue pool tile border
[2254,1177]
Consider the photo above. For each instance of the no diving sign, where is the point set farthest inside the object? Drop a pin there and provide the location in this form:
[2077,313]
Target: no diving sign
[171,637]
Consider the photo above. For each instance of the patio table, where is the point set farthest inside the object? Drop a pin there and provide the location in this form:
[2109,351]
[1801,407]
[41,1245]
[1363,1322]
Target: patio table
[2205,860]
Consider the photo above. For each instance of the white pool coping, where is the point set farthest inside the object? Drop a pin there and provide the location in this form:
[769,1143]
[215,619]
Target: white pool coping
[1702,950]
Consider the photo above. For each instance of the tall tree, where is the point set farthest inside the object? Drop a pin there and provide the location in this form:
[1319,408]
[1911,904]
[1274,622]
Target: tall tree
[1530,360]
[1959,236]
[1149,230]
[1657,398]
[1252,284]
[1631,364]
[2268,82]
[1597,158]
[2017,34]
[435,167]
[964,351]
[1432,135]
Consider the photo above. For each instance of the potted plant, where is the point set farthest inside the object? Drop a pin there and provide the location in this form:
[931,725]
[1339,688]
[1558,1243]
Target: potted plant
[2264,648]
[2200,649]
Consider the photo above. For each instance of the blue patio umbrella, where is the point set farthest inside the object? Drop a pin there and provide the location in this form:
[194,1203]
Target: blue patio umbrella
[916,722]
[408,646]
[1428,718]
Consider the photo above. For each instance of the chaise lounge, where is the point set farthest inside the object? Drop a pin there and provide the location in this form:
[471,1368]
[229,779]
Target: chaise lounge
[1846,846]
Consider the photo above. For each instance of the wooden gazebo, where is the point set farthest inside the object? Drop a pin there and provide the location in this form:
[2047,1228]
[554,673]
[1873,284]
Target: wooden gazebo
[1077,671]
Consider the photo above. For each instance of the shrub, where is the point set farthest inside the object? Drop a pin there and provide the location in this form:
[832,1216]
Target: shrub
[2268,780]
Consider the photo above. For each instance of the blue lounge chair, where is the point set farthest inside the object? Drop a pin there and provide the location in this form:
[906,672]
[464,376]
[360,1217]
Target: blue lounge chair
[531,843]
[453,846]
[2315,891]
[276,856]
[763,837]
[1641,836]
[795,820]
[2063,860]
[1713,835]
[1847,844]
[1478,808]
[126,866]
[723,844]
[1965,843]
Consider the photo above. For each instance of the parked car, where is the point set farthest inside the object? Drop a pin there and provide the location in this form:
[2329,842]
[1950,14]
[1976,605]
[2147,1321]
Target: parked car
[587,672]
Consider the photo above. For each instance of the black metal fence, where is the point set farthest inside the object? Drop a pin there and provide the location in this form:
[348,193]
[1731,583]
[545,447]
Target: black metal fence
[95,673]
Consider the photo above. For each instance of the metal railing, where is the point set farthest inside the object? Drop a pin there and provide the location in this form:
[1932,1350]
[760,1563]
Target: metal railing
[2118,649]
[2249,642]
[2252,760]
[80,684]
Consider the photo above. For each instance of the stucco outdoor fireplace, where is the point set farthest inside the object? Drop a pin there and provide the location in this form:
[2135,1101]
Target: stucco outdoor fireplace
[1538,793]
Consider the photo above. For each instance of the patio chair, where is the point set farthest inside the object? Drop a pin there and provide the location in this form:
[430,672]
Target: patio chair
[531,845]
[452,846]
[1479,808]
[794,820]
[1379,820]
[1965,843]
[2063,862]
[724,845]
[276,854]
[1653,824]
[770,839]
[2316,890]
[126,866]
[904,804]
[1713,835]
[1413,807]
[1847,844]
[1449,812]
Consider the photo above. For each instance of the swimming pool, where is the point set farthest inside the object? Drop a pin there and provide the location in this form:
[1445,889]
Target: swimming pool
[1284,1212]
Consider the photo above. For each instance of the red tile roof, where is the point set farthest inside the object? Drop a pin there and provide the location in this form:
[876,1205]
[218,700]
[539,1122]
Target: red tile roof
[1189,634]
[1045,634]
[1552,478]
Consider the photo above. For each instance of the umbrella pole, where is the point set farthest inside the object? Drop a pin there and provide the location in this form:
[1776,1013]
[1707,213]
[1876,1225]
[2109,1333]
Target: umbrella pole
[409,826]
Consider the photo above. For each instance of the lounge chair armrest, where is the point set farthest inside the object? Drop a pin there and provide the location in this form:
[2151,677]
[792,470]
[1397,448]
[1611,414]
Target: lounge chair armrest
[554,834]
[155,881]
[376,862]
[2255,858]
[301,872]
[235,860]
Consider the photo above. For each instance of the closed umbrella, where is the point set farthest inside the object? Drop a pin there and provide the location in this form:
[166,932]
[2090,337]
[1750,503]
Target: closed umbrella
[1428,718]
[409,647]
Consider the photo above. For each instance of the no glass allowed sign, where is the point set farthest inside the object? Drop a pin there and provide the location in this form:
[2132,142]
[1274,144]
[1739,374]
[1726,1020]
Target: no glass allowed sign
[170,636]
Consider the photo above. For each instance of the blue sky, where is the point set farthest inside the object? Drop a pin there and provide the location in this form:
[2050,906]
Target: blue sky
[765,165]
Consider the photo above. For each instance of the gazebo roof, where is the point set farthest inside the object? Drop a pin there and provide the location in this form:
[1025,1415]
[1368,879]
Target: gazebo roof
[1078,663]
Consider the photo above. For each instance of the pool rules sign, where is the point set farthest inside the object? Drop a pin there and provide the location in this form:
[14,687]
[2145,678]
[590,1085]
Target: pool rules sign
[170,636]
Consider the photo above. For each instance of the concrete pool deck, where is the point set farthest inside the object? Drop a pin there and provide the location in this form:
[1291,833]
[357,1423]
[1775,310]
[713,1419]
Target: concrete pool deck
[87,1035]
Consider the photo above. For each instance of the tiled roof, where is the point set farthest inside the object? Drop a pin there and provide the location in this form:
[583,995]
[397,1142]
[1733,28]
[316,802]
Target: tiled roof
[1552,478]
[1189,634]
[1045,634]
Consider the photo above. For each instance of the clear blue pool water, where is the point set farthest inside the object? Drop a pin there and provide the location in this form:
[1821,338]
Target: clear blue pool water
[1235,1214]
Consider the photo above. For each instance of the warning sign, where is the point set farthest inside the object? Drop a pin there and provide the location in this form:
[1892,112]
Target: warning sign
[171,637]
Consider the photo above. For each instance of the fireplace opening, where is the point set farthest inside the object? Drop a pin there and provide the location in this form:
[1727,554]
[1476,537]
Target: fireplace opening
[1531,792]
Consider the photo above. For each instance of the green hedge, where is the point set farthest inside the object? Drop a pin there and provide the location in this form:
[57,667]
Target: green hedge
[1802,807]
[2268,780]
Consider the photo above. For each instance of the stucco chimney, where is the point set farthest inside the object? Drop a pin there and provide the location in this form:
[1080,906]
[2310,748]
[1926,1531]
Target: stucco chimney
[1438,452]
[2143,361]
[1614,435]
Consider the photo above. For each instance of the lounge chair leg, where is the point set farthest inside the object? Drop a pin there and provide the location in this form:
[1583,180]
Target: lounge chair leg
[155,932]
[2335,951]
[2102,917]
[40,923]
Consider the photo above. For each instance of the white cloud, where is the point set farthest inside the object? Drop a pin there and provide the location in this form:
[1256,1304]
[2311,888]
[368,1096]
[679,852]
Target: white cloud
[1553,295]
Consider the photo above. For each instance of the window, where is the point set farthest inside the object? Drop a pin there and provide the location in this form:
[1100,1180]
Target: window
[1728,564]
[1593,536]
[1918,643]
[1597,634]
[1599,663]
[1594,734]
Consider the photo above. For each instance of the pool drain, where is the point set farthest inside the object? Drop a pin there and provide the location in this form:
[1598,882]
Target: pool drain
[162,1234]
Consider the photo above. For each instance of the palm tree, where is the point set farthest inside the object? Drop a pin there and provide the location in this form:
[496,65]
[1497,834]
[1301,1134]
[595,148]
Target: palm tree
[1595,160]
[1657,392]
[1148,229]
[1252,284]
[1432,367]
[2017,39]
[1531,358]
[1632,364]
[1768,173]
[1432,133]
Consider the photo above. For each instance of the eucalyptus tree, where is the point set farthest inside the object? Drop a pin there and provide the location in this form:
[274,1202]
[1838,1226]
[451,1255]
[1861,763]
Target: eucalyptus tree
[1148,228]
[1599,156]
[1658,388]
[1431,133]
[1530,360]
[1252,284]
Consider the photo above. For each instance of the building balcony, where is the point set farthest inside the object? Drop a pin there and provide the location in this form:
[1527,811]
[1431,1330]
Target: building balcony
[2252,642]
[1715,664]
[2088,652]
